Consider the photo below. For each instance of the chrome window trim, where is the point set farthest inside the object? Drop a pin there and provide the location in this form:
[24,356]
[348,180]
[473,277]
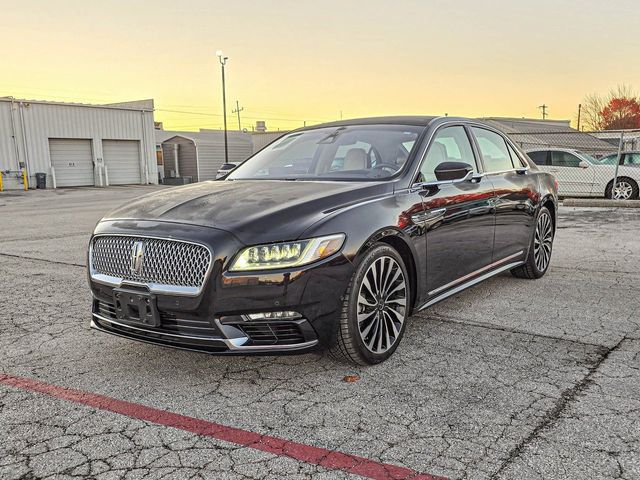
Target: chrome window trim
[469,177]
[153,287]
[520,171]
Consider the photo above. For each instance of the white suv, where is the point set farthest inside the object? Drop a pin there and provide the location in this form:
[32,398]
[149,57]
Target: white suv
[581,175]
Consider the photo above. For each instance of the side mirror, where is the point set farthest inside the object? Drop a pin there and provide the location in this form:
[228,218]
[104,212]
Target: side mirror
[583,164]
[452,171]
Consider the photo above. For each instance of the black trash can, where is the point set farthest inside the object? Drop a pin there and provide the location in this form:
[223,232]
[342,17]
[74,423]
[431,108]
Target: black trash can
[41,180]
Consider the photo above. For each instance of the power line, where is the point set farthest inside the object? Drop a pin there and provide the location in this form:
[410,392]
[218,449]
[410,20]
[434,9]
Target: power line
[261,117]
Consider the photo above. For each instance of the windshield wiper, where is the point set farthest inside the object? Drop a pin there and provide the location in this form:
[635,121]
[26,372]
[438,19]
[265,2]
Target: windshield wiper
[332,136]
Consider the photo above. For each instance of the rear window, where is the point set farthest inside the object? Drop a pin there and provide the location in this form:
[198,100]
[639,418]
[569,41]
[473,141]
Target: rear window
[539,158]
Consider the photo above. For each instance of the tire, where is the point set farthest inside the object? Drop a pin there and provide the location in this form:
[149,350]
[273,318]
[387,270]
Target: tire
[375,308]
[627,189]
[539,257]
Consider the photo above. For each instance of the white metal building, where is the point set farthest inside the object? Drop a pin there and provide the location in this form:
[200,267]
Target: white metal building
[262,139]
[201,154]
[77,144]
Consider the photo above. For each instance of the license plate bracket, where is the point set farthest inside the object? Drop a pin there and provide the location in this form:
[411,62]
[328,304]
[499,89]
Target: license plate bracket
[136,306]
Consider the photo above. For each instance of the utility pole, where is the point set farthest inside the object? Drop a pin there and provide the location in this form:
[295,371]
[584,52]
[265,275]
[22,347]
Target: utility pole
[544,107]
[238,110]
[579,111]
[223,62]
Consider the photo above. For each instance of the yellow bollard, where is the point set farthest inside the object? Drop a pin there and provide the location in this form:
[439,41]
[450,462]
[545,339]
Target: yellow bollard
[1,182]
[25,180]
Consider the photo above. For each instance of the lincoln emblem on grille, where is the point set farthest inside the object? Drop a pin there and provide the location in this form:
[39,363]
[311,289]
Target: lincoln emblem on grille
[137,256]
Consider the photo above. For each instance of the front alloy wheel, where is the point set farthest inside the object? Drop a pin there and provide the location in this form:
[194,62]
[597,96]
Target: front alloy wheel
[382,302]
[375,308]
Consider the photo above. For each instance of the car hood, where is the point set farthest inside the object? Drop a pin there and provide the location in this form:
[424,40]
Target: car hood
[254,211]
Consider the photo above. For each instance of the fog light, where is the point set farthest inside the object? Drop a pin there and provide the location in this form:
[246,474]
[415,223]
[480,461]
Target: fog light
[285,315]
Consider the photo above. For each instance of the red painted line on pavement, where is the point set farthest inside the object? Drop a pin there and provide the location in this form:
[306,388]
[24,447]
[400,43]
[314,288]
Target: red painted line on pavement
[329,459]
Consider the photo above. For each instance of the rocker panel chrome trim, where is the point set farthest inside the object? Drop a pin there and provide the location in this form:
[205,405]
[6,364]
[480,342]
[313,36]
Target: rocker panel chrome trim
[468,284]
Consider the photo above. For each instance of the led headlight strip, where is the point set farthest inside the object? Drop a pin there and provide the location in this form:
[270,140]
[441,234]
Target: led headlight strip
[287,254]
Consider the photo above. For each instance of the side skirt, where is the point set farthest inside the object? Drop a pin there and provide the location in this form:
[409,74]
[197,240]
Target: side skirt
[470,283]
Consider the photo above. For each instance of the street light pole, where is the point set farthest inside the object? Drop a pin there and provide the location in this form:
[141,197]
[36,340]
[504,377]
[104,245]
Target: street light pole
[223,62]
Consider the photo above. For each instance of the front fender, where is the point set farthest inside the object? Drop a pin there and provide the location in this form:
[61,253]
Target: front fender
[387,218]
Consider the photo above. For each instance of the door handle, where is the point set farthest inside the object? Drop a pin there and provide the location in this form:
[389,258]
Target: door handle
[428,215]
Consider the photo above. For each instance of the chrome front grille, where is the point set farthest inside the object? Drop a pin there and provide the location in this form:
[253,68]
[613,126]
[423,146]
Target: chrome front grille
[166,265]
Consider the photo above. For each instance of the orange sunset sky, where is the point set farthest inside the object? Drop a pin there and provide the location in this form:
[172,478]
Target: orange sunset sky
[291,61]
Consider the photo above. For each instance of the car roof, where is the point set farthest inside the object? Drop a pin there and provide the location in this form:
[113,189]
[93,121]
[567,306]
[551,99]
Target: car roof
[417,120]
[551,149]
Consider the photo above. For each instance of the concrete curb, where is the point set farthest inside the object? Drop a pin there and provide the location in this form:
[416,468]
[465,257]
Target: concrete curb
[600,202]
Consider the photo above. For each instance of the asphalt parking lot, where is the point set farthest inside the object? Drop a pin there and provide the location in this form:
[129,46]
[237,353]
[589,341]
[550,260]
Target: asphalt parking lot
[513,379]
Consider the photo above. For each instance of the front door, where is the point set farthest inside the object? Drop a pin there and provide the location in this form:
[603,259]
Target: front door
[572,178]
[459,217]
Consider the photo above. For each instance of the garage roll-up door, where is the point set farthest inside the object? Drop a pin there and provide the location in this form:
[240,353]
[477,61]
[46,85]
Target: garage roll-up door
[122,158]
[72,161]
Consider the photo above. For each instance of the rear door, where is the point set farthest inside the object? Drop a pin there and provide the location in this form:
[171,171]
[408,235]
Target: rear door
[515,196]
[572,178]
[458,217]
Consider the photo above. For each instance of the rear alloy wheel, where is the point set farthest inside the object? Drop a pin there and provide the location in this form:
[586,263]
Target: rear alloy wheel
[626,189]
[543,241]
[375,308]
[537,262]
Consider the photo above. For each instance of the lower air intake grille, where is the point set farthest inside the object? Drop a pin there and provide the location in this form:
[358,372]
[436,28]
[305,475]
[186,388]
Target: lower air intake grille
[272,333]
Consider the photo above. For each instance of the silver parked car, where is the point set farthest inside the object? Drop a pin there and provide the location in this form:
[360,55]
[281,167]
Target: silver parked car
[226,168]
[581,175]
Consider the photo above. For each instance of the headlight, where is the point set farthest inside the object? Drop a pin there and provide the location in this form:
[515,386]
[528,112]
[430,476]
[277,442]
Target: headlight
[287,254]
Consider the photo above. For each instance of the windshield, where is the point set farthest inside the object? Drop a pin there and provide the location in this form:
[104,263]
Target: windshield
[358,152]
[590,158]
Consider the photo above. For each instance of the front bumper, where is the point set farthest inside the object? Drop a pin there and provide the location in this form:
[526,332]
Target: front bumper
[206,343]
[216,321]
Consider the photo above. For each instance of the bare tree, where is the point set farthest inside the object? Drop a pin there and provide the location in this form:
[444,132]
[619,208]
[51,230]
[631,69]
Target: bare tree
[594,107]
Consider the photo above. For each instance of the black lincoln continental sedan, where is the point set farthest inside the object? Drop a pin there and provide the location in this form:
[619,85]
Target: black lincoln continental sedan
[330,237]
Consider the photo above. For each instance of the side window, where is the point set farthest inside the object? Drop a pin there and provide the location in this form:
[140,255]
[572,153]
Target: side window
[564,159]
[539,158]
[632,158]
[515,158]
[451,144]
[493,149]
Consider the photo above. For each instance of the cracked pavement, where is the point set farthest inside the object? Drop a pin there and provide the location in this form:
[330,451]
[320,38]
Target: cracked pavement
[511,379]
